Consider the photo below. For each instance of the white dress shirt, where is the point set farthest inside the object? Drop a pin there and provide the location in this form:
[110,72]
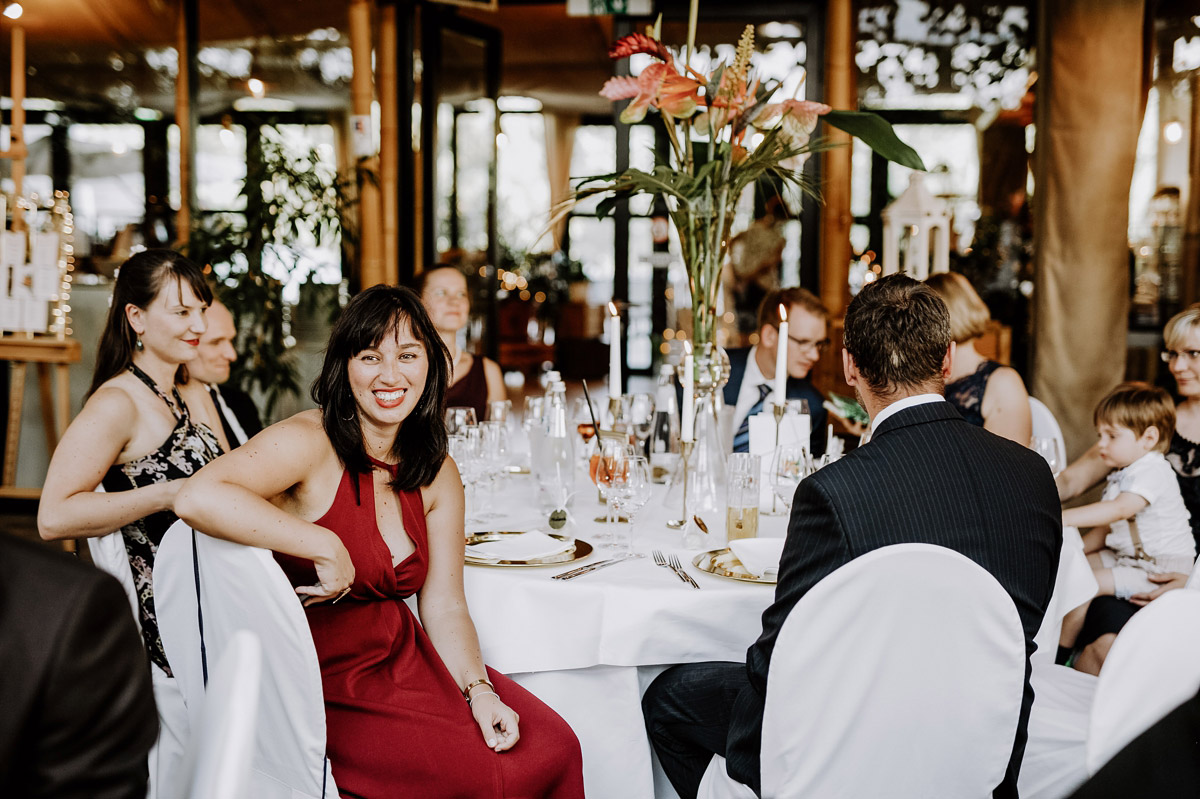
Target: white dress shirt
[748,393]
[899,405]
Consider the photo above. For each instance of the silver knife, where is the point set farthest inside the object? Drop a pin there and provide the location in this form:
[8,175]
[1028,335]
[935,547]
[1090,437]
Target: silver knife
[582,570]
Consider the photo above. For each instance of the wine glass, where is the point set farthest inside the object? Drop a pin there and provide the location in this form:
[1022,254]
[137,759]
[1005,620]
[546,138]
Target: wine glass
[641,417]
[1050,449]
[787,470]
[499,410]
[493,457]
[464,447]
[459,417]
[601,469]
[630,491]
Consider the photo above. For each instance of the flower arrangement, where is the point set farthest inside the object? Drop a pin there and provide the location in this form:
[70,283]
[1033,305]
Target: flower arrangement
[725,133]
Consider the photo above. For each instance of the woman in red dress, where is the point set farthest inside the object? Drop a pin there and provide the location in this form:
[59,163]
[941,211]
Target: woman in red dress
[363,516]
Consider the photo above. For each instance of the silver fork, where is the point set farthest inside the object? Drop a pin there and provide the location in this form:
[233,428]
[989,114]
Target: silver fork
[678,567]
[660,560]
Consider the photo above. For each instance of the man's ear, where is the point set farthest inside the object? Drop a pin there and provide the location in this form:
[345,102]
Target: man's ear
[849,369]
[948,360]
[768,337]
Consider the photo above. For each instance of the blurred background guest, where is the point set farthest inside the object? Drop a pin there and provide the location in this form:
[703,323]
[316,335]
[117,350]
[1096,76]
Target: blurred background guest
[1107,615]
[987,393]
[752,271]
[216,355]
[752,369]
[475,380]
[79,716]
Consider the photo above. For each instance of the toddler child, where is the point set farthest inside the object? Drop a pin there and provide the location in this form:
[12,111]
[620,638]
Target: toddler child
[1135,422]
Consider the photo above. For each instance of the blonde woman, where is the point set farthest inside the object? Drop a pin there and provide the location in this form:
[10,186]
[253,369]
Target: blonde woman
[987,393]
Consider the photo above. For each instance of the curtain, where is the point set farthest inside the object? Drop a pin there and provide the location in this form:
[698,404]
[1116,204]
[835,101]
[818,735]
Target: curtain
[1090,96]
[560,141]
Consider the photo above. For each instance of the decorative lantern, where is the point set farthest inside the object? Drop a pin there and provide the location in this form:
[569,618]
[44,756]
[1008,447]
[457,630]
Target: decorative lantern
[916,232]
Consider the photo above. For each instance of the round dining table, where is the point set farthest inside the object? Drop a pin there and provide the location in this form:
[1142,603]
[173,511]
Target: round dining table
[589,646]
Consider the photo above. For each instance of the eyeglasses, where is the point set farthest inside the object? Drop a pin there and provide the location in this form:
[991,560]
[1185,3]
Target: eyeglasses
[808,344]
[1169,356]
[442,294]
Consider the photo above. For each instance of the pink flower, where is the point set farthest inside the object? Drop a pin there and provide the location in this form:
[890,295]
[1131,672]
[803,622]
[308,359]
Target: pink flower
[797,119]
[658,86]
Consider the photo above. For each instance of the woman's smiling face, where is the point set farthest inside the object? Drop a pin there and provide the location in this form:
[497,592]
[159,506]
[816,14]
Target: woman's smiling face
[388,379]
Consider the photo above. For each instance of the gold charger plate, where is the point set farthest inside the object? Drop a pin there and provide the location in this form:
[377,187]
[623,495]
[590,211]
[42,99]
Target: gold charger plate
[579,551]
[707,563]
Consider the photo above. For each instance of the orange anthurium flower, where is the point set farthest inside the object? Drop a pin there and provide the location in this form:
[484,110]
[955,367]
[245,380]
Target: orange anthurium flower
[658,85]
[796,119]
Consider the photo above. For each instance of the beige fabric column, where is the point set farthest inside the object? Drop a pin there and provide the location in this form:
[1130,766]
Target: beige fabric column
[1088,114]
[560,142]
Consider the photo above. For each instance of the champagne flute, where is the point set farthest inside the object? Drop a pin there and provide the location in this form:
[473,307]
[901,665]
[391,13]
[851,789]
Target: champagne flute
[585,416]
[459,417]
[602,468]
[630,490]
[641,417]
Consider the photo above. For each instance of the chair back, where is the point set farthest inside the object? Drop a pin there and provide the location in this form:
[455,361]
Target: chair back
[243,588]
[1045,425]
[901,675]
[1152,668]
[108,554]
[218,761]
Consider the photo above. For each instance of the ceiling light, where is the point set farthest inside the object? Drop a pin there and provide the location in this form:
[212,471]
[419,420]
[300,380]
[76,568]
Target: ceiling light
[13,10]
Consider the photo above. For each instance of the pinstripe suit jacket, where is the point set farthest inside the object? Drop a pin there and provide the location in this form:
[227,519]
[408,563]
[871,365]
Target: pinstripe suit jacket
[927,476]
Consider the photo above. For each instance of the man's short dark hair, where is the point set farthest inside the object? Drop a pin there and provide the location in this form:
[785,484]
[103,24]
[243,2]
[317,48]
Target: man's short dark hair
[768,309]
[897,330]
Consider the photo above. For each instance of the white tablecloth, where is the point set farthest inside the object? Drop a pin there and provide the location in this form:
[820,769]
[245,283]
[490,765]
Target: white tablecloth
[589,647]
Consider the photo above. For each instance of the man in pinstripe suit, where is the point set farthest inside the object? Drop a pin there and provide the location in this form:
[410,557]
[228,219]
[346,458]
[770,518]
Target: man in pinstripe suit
[927,477]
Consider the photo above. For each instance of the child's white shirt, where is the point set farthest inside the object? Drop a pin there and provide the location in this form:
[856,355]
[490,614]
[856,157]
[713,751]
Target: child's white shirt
[1164,524]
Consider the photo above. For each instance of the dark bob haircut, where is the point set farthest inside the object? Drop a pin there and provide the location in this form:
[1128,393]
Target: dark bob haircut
[139,280]
[371,316]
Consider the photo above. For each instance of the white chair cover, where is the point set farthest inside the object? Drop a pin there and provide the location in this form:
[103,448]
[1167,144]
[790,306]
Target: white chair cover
[899,675]
[222,748]
[244,589]
[1074,585]
[1055,762]
[109,555]
[1194,581]
[1153,667]
[1045,425]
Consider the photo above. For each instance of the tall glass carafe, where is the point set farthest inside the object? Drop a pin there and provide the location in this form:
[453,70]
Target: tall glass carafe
[556,472]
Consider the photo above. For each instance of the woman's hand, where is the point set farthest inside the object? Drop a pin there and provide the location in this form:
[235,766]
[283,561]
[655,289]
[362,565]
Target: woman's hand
[1168,581]
[335,575]
[497,721]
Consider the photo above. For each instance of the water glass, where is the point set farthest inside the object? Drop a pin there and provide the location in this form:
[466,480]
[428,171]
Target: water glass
[1050,449]
[788,468]
[741,496]
[459,417]
[498,410]
[630,491]
[641,418]
[534,406]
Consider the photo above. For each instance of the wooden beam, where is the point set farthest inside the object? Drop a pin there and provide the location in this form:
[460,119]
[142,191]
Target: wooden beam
[362,93]
[835,186]
[187,85]
[17,135]
[389,141]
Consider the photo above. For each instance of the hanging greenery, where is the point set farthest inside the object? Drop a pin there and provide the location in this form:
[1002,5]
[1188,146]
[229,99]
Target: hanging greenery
[294,202]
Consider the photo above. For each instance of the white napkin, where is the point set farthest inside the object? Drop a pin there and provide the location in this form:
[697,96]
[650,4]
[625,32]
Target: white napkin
[760,556]
[526,546]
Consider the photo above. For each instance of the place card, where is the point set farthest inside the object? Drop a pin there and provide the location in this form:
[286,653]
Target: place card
[45,249]
[12,248]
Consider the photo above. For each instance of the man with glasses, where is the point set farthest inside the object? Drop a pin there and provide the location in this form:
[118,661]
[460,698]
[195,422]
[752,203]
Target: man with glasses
[752,369]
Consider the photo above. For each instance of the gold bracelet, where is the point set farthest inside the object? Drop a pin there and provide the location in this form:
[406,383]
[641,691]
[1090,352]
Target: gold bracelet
[481,681]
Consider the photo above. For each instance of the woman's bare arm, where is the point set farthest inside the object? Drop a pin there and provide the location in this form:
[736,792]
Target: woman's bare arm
[70,506]
[230,498]
[1005,407]
[443,607]
[495,380]
[1081,475]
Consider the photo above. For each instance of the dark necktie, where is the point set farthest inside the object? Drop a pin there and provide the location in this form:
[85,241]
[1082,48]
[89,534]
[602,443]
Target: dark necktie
[741,439]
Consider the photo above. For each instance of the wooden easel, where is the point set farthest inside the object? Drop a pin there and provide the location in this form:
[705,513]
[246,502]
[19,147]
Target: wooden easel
[46,352]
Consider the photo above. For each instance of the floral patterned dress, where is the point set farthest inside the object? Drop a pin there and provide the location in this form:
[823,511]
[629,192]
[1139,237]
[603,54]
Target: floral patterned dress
[188,448]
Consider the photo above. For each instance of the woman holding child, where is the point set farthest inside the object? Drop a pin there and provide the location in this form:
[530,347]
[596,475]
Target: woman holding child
[364,508]
[1107,615]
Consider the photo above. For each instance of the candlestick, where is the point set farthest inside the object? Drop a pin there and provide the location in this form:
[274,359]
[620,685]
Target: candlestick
[614,351]
[781,351]
[686,379]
